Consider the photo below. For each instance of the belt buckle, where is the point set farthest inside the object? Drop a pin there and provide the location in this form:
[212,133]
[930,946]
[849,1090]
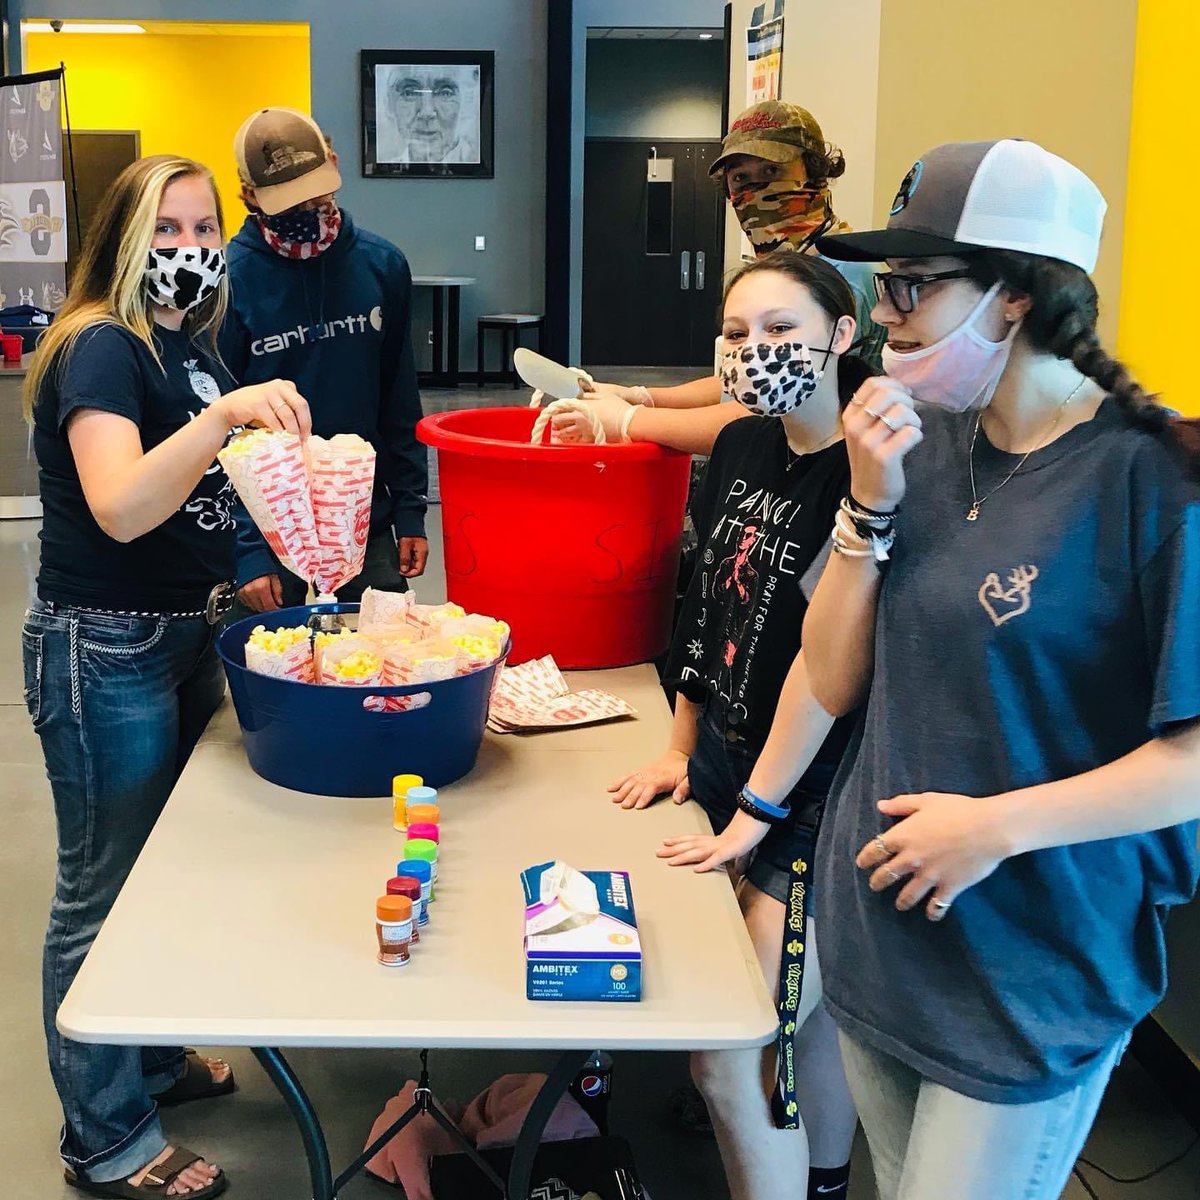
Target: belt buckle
[220,601]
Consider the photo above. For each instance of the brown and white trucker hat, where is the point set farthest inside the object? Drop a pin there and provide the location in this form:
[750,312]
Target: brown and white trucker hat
[282,153]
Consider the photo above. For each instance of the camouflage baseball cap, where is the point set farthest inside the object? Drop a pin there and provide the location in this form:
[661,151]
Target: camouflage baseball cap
[772,129]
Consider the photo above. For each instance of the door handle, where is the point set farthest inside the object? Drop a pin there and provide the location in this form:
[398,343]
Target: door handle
[699,270]
[685,270]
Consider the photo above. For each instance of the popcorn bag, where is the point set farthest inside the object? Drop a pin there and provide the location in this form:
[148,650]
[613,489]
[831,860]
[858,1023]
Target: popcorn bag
[384,610]
[270,475]
[330,649]
[350,661]
[342,471]
[310,500]
[281,653]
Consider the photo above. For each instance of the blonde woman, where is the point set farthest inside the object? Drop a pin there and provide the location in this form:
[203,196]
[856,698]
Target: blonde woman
[129,404]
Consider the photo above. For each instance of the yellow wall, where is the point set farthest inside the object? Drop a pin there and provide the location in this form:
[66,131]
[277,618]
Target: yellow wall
[186,92]
[1158,316]
[1059,72]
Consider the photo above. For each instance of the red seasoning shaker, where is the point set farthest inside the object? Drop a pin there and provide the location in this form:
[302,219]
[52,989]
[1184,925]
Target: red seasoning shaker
[406,885]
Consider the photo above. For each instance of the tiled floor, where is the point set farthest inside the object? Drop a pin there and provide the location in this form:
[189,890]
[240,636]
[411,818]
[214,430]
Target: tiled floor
[251,1133]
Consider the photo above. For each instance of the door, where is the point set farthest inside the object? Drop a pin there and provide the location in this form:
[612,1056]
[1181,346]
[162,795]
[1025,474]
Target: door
[653,242]
[100,156]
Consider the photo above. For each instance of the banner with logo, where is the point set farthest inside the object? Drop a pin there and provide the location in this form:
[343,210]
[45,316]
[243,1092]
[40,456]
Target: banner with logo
[764,54]
[33,192]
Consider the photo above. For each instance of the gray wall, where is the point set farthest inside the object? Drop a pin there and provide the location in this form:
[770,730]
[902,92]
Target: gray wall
[627,14]
[433,221]
[654,88]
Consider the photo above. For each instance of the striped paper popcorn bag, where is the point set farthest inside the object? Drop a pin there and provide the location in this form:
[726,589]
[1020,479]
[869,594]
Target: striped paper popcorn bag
[270,475]
[342,471]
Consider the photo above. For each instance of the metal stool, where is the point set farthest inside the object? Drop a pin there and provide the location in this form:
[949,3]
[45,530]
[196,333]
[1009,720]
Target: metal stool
[509,326]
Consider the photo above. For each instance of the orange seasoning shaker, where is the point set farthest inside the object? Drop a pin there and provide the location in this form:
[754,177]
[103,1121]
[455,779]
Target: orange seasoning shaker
[393,926]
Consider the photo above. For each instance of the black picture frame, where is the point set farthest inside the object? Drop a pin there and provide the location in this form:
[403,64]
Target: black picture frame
[428,114]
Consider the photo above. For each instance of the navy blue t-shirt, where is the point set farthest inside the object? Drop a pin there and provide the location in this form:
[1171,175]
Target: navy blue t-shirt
[173,567]
[1057,633]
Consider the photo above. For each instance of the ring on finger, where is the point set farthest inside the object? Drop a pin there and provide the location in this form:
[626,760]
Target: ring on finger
[889,423]
[940,905]
[882,846]
[893,876]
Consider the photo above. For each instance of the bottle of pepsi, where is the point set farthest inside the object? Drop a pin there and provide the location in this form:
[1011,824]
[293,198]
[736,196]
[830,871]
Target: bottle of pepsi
[592,1088]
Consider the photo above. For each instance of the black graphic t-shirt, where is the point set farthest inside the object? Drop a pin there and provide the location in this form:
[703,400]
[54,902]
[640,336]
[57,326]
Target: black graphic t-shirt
[763,517]
[173,567]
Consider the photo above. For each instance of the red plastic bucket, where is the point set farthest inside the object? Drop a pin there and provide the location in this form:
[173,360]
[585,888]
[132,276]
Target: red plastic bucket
[576,547]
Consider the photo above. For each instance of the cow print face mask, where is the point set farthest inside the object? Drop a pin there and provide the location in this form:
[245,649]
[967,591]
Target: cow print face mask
[180,277]
[771,379]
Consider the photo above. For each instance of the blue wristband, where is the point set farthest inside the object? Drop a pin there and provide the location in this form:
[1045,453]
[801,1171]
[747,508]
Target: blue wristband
[773,812]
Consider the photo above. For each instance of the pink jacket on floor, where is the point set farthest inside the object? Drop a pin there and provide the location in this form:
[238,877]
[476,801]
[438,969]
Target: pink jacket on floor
[492,1119]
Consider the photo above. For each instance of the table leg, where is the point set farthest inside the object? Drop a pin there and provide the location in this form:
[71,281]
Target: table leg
[438,372]
[530,1137]
[452,333]
[284,1078]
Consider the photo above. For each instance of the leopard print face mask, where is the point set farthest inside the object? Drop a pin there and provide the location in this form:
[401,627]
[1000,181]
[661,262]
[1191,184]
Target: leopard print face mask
[771,379]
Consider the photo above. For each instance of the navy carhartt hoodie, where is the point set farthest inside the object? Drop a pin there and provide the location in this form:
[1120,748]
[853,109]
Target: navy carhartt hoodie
[337,326]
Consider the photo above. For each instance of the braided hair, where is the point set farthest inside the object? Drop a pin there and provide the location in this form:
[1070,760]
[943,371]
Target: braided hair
[1062,321]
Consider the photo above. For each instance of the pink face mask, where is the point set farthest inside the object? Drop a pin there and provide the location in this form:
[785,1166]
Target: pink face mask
[960,371]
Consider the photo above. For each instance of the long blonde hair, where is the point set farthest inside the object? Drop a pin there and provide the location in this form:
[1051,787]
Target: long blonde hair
[107,285]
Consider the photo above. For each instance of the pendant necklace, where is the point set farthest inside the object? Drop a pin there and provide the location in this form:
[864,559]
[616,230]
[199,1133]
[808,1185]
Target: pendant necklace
[976,499]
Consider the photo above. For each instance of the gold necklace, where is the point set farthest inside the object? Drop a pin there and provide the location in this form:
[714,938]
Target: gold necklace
[794,456]
[976,499]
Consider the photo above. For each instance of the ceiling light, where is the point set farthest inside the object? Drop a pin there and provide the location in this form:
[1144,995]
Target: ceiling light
[80,27]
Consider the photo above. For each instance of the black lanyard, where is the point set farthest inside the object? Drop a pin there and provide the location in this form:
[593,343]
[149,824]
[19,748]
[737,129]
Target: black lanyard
[784,1110]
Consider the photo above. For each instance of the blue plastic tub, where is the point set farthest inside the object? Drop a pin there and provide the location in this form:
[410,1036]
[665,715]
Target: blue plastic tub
[320,739]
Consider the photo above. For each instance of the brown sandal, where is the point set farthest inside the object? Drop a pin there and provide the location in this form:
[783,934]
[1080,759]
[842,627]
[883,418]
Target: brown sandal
[155,1182]
[196,1083]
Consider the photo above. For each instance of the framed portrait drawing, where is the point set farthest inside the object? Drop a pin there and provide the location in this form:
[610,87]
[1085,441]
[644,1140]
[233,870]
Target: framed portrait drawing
[428,114]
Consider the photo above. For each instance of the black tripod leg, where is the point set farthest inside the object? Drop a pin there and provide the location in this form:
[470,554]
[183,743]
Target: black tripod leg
[284,1078]
[525,1151]
[374,1148]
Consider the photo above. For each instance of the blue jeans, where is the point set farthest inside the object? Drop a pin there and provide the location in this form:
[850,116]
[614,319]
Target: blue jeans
[118,703]
[929,1141]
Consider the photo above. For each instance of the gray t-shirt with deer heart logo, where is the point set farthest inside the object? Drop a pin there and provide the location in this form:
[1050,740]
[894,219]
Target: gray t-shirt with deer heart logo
[1057,632]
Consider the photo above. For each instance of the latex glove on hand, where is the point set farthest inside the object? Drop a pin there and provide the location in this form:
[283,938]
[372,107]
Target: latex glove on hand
[631,395]
[615,415]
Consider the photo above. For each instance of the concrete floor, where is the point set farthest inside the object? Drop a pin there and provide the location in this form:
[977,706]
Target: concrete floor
[251,1134]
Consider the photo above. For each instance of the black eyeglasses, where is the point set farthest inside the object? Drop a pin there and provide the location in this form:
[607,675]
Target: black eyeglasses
[901,290]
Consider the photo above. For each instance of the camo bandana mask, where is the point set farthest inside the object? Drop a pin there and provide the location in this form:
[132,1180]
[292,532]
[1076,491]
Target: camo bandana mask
[785,211]
[180,277]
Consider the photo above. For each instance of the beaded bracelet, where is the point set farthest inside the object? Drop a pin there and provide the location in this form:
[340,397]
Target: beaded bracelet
[760,809]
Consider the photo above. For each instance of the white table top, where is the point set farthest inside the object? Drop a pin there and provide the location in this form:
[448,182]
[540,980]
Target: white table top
[443,280]
[275,890]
